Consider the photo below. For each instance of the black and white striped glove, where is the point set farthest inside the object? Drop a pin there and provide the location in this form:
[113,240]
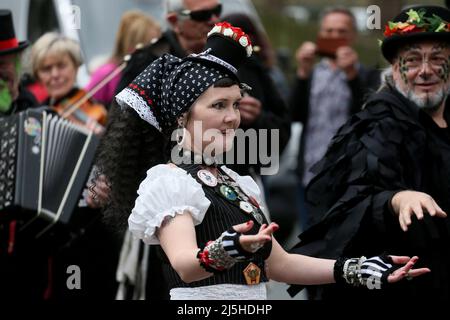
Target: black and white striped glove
[223,253]
[371,273]
[231,244]
[375,271]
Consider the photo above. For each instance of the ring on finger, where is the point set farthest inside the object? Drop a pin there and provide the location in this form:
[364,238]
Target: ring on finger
[408,276]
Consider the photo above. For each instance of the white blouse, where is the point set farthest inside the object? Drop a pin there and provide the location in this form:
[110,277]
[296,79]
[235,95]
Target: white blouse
[221,292]
[168,191]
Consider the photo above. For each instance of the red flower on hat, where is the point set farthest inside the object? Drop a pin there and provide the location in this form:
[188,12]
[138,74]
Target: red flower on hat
[412,28]
[224,24]
[388,31]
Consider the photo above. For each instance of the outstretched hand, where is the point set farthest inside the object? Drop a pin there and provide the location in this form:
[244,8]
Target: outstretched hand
[407,270]
[408,203]
[253,243]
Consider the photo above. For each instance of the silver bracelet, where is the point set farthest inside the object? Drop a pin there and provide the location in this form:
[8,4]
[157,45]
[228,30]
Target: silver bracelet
[352,271]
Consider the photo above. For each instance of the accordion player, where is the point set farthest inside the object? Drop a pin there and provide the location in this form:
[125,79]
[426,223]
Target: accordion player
[45,162]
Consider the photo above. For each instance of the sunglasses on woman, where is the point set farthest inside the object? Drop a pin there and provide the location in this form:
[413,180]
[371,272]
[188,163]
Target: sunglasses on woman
[203,15]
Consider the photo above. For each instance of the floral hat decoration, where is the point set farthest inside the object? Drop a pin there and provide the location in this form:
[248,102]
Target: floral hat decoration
[231,55]
[415,24]
[169,86]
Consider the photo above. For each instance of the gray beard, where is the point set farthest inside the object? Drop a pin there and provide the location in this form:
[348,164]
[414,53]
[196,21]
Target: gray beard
[430,103]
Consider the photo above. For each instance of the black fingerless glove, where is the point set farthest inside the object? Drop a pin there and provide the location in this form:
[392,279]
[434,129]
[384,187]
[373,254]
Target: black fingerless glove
[231,244]
[371,273]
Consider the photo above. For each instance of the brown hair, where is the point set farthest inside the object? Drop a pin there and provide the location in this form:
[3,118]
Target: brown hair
[135,28]
[342,10]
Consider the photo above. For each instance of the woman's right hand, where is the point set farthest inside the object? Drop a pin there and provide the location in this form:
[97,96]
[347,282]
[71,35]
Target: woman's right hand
[253,243]
[406,203]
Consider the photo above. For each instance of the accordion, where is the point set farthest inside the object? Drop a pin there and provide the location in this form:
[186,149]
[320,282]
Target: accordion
[45,161]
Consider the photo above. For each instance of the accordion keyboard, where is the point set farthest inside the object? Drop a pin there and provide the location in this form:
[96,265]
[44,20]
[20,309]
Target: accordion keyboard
[8,149]
[44,165]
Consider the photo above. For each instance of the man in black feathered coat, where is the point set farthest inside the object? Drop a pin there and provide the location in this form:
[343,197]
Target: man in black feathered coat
[384,183]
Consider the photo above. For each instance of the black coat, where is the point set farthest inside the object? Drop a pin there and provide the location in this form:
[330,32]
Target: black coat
[24,101]
[15,271]
[389,146]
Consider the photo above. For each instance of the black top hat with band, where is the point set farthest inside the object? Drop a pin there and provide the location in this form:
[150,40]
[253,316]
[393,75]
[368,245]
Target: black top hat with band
[416,24]
[169,86]
[8,41]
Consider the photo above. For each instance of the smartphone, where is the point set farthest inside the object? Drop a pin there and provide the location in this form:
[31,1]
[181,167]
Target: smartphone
[327,47]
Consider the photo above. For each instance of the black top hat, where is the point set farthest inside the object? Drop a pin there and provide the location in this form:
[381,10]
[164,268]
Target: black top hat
[8,41]
[419,23]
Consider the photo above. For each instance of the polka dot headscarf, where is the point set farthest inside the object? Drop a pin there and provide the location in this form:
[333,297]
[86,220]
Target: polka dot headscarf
[169,86]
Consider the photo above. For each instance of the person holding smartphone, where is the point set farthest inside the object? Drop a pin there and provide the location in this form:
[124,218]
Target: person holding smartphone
[326,93]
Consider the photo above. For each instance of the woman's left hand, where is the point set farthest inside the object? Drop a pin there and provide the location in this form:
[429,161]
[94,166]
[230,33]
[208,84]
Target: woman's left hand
[407,270]
[376,272]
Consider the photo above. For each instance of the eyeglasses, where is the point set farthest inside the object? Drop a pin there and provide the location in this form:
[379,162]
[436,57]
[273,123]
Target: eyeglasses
[203,15]
[416,62]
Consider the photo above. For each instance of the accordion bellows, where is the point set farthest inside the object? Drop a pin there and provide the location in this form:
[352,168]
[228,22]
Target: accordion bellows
[44,164]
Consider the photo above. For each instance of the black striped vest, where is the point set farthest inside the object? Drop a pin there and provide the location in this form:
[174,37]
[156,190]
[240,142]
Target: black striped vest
[221,215]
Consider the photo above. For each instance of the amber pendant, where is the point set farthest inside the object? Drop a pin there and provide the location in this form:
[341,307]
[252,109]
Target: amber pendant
[252,274]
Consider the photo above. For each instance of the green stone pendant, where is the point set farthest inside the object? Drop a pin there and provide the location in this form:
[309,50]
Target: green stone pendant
[228,192]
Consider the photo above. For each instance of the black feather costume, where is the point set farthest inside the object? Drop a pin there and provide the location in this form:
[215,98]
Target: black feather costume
[389,146]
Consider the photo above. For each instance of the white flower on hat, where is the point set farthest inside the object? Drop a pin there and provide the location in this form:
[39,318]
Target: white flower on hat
[249,50]
[234,33]
[216,29]
[228,32]
[243,41]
